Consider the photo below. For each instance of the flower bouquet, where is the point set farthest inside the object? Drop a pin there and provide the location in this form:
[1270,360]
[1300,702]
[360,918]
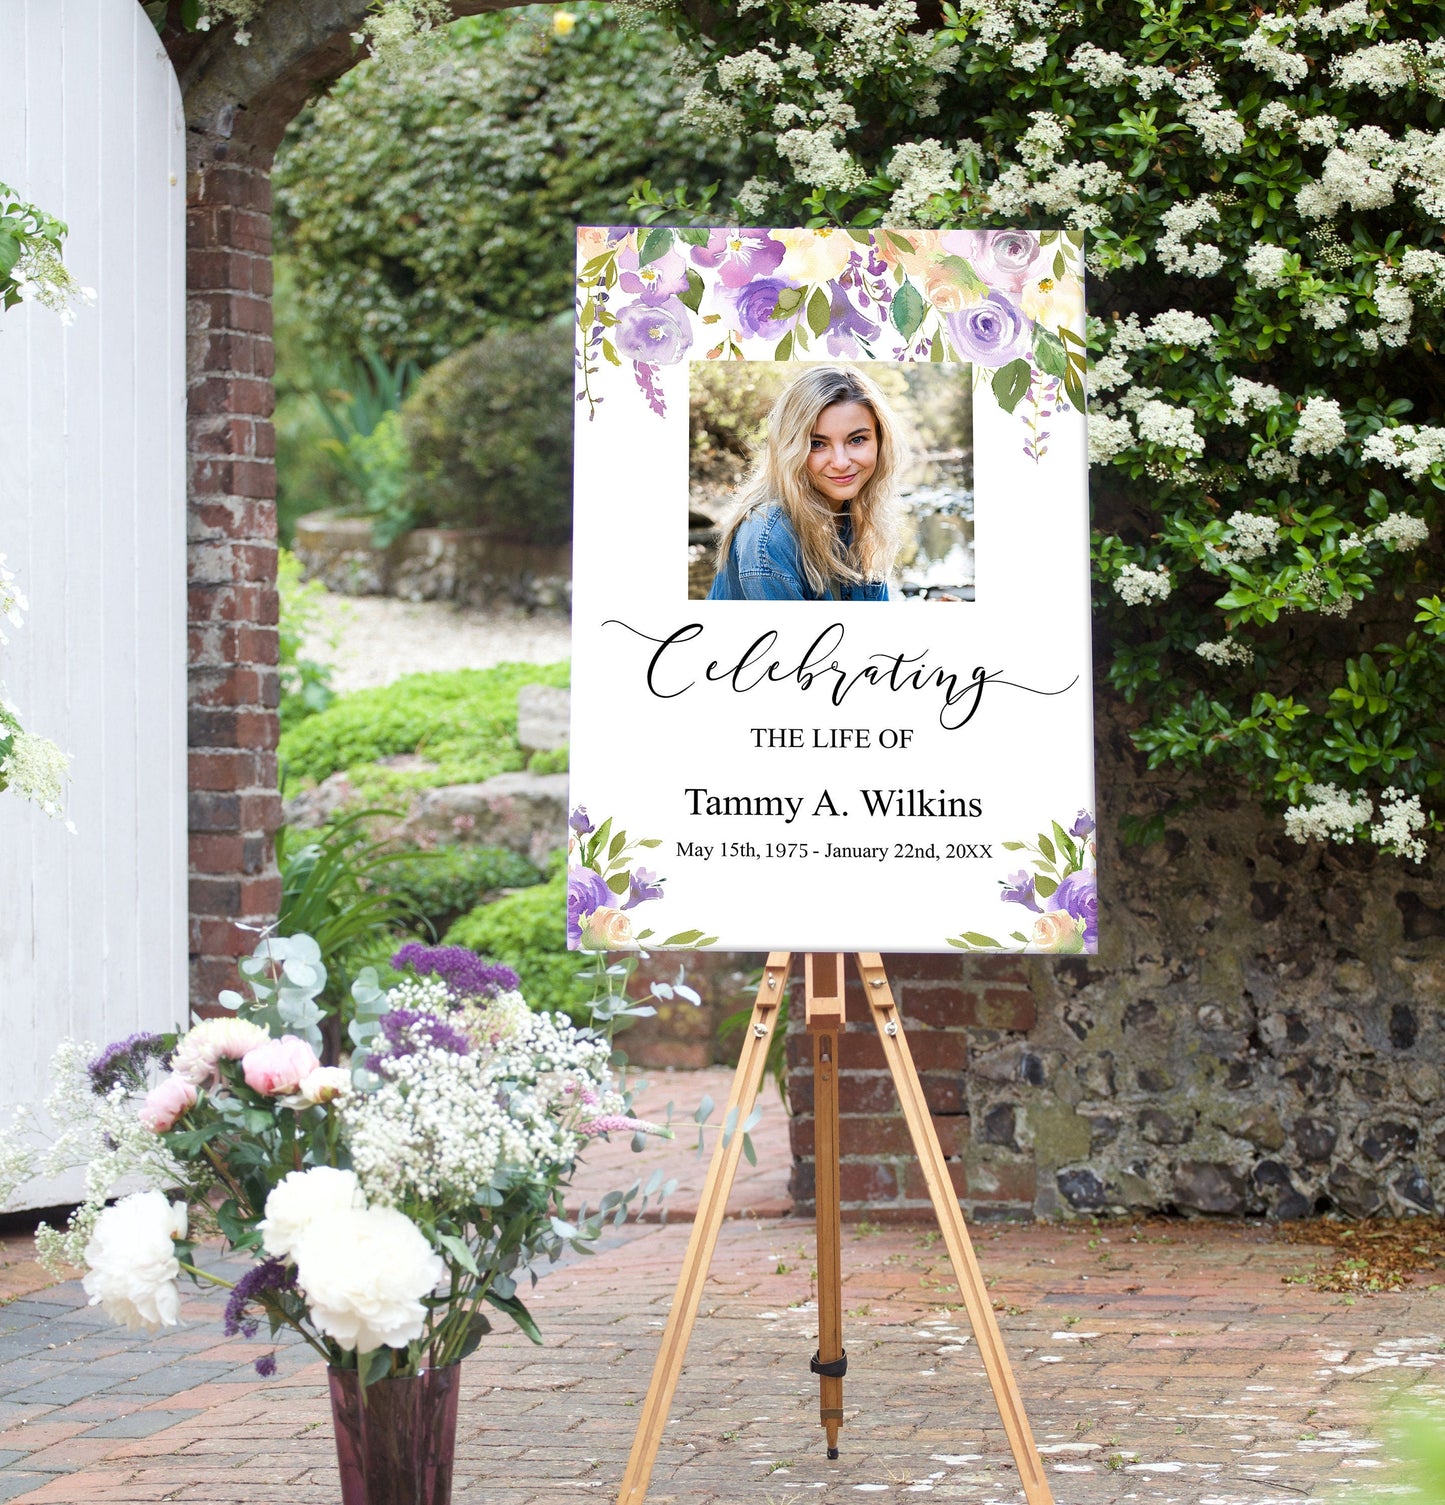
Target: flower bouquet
[391,1199]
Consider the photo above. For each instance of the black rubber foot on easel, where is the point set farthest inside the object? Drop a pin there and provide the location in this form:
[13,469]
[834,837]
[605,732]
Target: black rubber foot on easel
[832,1452]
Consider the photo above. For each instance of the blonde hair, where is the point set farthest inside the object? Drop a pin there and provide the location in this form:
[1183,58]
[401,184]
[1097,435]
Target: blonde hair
[780,474]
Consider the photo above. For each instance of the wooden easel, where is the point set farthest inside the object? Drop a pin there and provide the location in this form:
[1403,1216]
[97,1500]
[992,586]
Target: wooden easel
[823,988]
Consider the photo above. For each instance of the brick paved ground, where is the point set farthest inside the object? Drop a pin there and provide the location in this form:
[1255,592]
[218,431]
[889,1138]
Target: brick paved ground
[1170,1365]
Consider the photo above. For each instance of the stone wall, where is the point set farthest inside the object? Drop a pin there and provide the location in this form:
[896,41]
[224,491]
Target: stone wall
[433,564]
[1262,1033]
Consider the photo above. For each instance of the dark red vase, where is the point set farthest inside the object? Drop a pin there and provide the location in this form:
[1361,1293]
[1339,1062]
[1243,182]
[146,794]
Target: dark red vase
[396,1444]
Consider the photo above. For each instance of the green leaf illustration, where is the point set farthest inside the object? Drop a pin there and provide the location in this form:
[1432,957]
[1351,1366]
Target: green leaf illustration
[908,310]
[1009,384]
[656,243]
[1049,352]
[820,312]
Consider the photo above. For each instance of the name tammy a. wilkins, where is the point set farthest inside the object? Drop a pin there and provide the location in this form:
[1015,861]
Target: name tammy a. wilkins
[907,804]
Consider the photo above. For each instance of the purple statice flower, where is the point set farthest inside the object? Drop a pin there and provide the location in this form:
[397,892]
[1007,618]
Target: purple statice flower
[266,1365]
[1083,825]
[992,332]
[406,1031]
[269,1275]
[1002,258]
[740,256]
[464,972]
[641,887]
[1078,895]
[658,334]
[656,282]
[1020,890]
[579,822]
[586,891]
[846,325]
[756,302]
[125,1061]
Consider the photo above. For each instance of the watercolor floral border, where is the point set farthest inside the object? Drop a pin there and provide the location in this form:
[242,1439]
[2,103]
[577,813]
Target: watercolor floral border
[1008,302]
[604,882]
[1061,893]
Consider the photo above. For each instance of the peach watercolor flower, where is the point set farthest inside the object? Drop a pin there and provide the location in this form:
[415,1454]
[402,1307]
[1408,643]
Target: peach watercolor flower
[606,929]
[1058,931]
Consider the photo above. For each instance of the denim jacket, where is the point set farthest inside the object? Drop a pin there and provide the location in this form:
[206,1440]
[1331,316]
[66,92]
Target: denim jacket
[764,563]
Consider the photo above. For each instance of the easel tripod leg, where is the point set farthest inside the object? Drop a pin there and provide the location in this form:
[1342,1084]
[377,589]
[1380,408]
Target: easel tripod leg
[823,991]
[955,1233]
[703,1240]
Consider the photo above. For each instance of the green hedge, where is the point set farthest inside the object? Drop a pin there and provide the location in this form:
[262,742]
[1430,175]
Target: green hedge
[489,431]
[464,722]
[450,881]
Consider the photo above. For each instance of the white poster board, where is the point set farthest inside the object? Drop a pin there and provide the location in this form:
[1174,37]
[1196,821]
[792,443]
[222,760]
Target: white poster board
[901,761]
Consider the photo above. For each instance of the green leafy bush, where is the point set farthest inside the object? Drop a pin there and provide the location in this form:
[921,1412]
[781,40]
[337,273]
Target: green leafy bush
[442,885]
[549,760]
[490,435]
[528,931]
[305,683]
[424,203]
[464,723]
[1263,194]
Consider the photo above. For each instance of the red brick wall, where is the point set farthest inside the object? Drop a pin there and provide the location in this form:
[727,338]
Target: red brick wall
[950,1005]
[231,568]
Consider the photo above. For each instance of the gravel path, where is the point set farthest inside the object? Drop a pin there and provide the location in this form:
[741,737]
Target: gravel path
[378,639]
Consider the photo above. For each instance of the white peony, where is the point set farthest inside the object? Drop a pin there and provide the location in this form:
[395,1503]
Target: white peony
[132,1258]
[302,1197]
[323,1084]
[364,1272]
[214,1040]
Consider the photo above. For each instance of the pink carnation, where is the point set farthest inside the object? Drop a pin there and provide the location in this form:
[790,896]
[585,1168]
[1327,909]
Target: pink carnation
[167,1102]
[279,1066]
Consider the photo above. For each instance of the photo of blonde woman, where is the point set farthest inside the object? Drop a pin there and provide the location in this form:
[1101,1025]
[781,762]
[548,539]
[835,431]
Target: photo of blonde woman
[830,482]
[817,518]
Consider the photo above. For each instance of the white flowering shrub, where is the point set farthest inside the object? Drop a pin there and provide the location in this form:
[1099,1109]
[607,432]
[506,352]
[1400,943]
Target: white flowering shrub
[32,243]
[1263,195]
[32,767]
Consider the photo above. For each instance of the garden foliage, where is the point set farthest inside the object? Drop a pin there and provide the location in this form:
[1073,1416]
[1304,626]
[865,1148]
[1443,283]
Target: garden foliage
[1262,193]
[463,723]
[442,885]
[489,432]
[424,203]
[305,683]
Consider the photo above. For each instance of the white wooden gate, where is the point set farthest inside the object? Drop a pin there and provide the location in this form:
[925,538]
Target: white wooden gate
[92,518]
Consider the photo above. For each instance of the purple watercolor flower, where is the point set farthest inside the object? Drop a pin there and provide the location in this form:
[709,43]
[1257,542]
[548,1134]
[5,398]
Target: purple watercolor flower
[125,1061]
[656,282]
[740,256]
[659,334]
[1082,825]
[992,332]
[1002,258]
[463,971]
[269,1275]
[580,823]
[846,326]
[641,887]
[586,891]
[1020,890]
[1078,895]
[755,304]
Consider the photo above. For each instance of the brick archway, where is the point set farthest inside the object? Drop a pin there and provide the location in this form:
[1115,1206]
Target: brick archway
[238,103]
